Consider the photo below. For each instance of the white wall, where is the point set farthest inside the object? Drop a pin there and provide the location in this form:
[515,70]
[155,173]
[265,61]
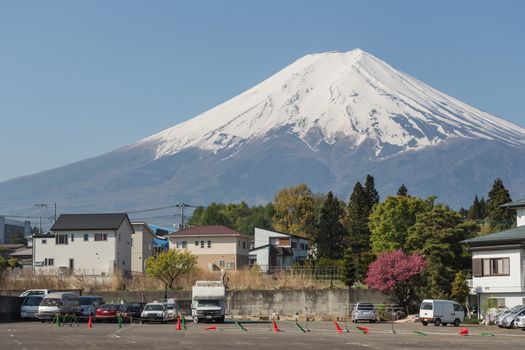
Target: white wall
[123,247]
[502,284]
[520,216]
[142,246]
[219,244]
[90,258]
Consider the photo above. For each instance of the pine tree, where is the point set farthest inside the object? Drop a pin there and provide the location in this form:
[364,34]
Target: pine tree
[499,218]
[330,233]
[482,208]
[357,251]
[474,212]
[371,192]
[402,191]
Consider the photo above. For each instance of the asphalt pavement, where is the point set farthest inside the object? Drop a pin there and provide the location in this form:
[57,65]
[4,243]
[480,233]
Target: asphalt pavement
[320,336]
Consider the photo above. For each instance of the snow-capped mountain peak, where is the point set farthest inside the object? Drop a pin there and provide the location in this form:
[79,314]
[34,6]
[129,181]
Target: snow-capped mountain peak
[324,97]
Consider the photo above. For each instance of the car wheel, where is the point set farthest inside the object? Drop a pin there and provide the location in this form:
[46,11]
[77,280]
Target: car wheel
[456,322]
[437,322]
[424,323]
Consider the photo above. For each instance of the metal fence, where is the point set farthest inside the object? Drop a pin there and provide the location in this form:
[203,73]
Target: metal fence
[328,273]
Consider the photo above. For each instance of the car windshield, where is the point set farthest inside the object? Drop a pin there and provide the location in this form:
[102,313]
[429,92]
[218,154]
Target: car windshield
[207,303]
[86,301]
[426,306]
[51,302]
[170,306]
[365,307]
[153,307]
[32,301]
[133,305]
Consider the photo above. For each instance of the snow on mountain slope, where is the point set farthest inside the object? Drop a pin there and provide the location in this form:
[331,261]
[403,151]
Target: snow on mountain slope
[337,95]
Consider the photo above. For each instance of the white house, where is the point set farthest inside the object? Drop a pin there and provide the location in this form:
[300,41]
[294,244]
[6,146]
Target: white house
[276,250]
[141,246]
[498,263]
[87,244]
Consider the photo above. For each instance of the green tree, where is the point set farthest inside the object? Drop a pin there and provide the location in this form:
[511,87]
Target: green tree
[357,244]
[294,211]
[437,236]
[402,191]
[167,266]
[499,218]
[475,212]
[330,234]
[460,289]
[371,193]
[390,221]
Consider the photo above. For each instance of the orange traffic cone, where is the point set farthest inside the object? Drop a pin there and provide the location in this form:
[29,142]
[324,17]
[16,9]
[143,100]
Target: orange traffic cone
[363,330]
[275,328]
[90,322]
[463,332]
[211,328]
[178,324]
[337,328]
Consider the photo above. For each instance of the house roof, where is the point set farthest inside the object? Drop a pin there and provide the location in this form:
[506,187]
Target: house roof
[12,246]
[22,252]
[284,233]
[515,234]
[515,204]
[208,230]
[89,221]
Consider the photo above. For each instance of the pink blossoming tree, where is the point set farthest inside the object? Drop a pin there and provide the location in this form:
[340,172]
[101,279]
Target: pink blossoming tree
[394,273]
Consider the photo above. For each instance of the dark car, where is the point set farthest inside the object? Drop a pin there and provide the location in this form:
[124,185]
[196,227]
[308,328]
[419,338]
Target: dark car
[134,309]
[110,312]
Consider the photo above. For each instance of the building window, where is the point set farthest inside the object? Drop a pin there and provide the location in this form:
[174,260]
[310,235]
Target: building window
[123,262]
[61,239]
[72,237]
[209,244]
[491,267]
[294,245]
[221,263]
[44,241]
[86,237]
[101,237]
[202,244]
[500,302]
[182,244]
[230,265]
[244,245]
[119,237]
[49,262]
[302,246]
[196,243]
[239,243]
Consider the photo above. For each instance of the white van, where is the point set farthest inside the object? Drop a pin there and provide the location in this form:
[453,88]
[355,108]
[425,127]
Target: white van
[61,303]
[441,312]
[29,308]
[171,306]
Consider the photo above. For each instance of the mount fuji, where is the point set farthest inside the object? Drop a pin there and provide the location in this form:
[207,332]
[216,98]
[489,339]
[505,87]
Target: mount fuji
[327,120]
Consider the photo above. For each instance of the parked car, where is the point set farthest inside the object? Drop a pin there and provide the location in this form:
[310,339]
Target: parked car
[171,307]
[441,312]
[110,312]
[364,312]
[154,312]
[519,322]
[89,304]
[509,320]
[134,309]
[29,308]
[59,303]
[30,292]
[501,316]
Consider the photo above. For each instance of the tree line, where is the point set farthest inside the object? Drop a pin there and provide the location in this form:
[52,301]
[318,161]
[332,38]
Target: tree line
[363,231]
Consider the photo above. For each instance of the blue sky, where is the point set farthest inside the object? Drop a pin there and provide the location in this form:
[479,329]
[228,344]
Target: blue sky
[80,78]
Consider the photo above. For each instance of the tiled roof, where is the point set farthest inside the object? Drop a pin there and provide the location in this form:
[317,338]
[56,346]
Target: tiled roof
[515,204]
[89,221]
[515,234]
[208,230]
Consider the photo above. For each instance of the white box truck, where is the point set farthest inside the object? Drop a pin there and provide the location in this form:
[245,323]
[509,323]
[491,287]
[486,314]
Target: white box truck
[441,312]
[207,301]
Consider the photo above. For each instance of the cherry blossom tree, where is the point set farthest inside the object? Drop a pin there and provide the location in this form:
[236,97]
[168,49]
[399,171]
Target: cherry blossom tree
[394,272]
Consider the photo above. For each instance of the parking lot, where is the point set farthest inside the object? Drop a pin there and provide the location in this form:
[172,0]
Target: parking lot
[322,335]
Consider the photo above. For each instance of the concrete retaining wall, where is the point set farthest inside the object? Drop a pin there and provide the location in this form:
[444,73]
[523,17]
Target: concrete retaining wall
[10,308]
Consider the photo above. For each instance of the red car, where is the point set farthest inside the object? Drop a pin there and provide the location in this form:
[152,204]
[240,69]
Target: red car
[110,312]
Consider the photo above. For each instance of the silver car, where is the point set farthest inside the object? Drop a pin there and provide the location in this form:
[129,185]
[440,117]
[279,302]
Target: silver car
[509,320]
[364,312]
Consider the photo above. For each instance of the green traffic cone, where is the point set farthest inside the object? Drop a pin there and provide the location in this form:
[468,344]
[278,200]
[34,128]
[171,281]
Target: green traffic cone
[184,323]
[119,320]
[420,333]
[486,334]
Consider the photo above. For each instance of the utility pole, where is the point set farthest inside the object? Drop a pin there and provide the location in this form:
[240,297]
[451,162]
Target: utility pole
[182,206]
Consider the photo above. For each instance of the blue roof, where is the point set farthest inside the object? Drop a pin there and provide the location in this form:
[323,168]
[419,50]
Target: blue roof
[160,242]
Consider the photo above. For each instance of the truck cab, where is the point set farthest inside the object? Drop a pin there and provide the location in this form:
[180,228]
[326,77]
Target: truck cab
[208,299]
